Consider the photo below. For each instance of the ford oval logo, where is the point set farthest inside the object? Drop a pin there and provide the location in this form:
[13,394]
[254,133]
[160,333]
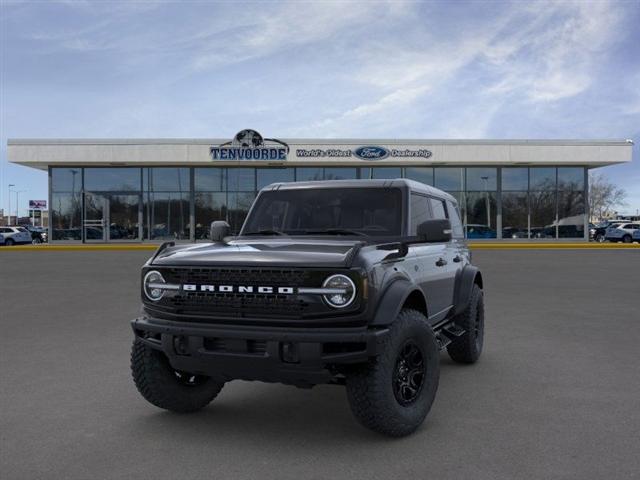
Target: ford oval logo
[371,153]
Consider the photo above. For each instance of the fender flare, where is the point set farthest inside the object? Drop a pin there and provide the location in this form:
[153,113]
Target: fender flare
[392,301]
[465,280]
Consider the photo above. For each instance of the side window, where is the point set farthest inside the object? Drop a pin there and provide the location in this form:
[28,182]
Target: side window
[456,224]
[420,212]
[437,207]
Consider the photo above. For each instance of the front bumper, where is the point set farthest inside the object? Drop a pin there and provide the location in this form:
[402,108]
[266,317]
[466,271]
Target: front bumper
[299,356]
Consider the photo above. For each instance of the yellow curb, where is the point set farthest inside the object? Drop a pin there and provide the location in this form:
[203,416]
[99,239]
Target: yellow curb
[48,248]
[553,246]
[472,245]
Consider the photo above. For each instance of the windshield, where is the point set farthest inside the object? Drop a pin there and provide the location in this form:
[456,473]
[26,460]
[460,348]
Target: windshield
[331,211]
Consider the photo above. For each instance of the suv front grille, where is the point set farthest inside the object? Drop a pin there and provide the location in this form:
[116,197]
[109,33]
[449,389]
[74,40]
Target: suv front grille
[242,304]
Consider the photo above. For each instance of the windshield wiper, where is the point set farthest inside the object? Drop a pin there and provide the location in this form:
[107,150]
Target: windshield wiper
[265,232]
[335,231]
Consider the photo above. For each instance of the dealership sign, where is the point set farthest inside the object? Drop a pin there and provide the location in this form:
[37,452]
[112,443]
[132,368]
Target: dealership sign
[250,145]
[38,204]
[366,152]
[371,153]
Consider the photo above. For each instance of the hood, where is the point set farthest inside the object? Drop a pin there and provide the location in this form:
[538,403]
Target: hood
[262,252]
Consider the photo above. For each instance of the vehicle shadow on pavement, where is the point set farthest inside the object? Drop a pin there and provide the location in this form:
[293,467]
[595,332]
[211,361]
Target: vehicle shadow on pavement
[254,411]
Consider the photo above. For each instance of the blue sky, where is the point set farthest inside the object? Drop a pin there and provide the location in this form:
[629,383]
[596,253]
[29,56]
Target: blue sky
[319,69]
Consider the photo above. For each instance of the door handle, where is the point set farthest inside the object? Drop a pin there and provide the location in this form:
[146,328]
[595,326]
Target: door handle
[457,258]
[441,262]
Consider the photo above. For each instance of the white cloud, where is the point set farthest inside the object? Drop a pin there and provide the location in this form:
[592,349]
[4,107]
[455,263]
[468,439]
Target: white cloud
[540,53]
[553,56]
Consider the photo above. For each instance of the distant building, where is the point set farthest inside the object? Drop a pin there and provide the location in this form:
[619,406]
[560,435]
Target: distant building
[151,190]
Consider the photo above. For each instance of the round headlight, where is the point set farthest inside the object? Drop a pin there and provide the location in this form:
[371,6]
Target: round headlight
[153,280]
[344,291]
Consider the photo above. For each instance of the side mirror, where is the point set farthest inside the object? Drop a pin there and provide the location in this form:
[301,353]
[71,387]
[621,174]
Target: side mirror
[435,231]
[219,230]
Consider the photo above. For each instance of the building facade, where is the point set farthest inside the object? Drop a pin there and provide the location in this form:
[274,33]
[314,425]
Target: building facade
[153,190]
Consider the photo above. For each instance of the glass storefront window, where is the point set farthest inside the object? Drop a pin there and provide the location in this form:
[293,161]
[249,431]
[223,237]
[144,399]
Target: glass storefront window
[124,217]
[210,179]
[515,179]
[209,207]
[449,179]
[571,211]
[420,174]
[381,172]
[66,218]
[515,215]
[537,202]
[571,178]
[166,179]
[112,179]
[306,174]
[542,178]
[238,208]
[241,179]
[481,214]
[343,173]
[482,179]
[265,176]
[310,174]
[542,207]
[167,216]
[66,179]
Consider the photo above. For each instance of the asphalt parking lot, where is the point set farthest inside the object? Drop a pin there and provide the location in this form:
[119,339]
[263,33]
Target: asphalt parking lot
[555,395]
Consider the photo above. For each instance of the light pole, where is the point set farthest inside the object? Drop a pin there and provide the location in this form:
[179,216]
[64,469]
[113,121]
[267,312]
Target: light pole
[18,192]
[9,214]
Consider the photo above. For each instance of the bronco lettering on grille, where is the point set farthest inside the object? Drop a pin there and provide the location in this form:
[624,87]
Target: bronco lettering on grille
[237,289]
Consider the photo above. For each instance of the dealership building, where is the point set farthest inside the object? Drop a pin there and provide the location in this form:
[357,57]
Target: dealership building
[132,190]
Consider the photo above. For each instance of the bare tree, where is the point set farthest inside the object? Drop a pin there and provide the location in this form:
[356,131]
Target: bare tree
[604,196]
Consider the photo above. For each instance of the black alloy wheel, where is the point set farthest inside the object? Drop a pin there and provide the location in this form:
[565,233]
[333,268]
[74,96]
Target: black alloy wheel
[408,375]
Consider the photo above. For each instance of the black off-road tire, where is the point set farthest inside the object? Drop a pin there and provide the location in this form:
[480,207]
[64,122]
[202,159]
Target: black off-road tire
[372,389]
[468,347]
[166,388]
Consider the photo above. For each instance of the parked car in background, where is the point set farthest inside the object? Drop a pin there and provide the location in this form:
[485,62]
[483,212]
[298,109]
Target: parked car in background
[38,234]
[622,232]
[15,235]
[599,231]
[480,231]
[514,232]
[543,232]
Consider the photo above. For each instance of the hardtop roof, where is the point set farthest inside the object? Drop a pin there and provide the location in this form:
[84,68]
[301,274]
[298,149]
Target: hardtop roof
[364,183]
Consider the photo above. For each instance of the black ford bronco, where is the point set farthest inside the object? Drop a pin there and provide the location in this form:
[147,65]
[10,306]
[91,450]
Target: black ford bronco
[353,282]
